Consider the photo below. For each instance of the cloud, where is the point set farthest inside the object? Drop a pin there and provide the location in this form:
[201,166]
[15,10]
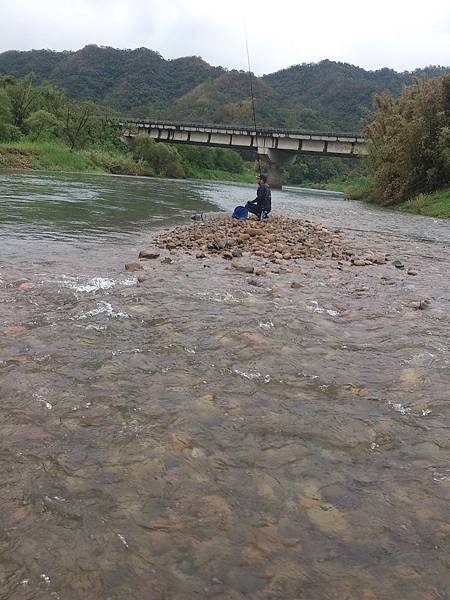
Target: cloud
[400,35]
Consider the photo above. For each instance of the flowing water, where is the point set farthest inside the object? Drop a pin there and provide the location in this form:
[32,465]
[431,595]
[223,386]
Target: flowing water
[198,436]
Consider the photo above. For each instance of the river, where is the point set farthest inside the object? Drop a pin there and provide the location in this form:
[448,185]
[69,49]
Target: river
[198,436]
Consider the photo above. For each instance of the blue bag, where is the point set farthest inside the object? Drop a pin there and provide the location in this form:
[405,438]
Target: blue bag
[240,212]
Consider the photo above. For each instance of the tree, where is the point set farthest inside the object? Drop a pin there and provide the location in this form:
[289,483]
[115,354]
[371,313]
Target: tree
[22,97]
[43,125]
[78,123]
[51,98]
[7,130]
[409,141]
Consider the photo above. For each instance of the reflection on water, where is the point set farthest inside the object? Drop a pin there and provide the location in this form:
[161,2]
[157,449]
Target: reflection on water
[200,437]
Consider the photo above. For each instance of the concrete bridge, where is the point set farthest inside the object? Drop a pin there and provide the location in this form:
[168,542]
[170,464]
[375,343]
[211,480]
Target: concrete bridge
[278,146]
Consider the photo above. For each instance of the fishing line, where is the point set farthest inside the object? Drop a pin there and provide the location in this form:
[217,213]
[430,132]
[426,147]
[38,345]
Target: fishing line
[253,98]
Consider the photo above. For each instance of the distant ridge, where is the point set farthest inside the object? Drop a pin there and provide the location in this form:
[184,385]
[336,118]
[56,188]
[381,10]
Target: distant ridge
[141,82]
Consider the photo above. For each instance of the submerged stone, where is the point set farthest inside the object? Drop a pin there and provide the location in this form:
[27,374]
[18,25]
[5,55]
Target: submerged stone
[134,266]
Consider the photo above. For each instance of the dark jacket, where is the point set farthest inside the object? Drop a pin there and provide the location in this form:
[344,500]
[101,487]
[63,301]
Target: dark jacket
[264,197]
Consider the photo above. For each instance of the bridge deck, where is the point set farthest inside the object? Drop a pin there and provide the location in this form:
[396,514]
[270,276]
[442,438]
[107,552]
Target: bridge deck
[247,130]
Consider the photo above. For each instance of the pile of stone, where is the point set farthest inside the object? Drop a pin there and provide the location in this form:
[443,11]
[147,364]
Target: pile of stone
[276,239]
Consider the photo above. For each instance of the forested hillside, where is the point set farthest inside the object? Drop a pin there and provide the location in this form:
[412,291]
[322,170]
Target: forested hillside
[125,79]
[341,93]
[325,95]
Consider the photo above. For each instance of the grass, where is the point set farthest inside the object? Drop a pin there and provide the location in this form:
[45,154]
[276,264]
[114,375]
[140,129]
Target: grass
[44,156]
[354,187]
[193,172]
[434,204]
[51,156]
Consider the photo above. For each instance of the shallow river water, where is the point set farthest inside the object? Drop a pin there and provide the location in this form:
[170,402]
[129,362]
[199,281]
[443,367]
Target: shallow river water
[199,436]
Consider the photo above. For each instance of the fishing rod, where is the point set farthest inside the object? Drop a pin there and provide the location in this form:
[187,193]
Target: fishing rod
[253,98]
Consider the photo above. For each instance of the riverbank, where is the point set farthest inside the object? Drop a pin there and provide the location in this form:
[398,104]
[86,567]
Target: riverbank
[434,204]
[49,156]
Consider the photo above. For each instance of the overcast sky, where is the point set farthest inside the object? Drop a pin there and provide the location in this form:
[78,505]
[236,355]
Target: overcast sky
[394,33]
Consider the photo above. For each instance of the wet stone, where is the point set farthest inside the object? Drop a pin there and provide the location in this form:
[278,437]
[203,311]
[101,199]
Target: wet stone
[149,254]
[134,266]
[244,267]
[398,264]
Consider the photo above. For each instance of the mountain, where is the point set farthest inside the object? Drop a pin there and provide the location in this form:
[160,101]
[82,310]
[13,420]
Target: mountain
[125,79]
[142,83]
[341,92]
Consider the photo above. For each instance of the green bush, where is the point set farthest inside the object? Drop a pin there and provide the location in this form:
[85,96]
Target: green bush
[163,159]
[198,159]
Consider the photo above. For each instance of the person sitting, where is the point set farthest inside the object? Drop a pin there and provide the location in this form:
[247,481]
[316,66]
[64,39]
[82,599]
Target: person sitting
[262,204]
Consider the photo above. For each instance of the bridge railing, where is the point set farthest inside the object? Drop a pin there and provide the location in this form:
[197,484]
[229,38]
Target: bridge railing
[242,128]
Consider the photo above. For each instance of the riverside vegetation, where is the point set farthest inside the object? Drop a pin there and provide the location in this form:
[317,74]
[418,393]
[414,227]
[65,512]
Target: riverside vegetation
[41,129]
[408,136]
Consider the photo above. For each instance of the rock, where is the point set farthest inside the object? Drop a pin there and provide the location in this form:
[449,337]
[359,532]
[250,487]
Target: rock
[252,231]
[254,282]
[253,338]
[358,262]
[278,239]
[219,244]
[421,304]
[244,267]
[25,285]
[200,255]
[412,272]
[295,285]
[378,258]
[135,266]
[149,254]
[167,261]
[398,264]
[141,279]
[227,255]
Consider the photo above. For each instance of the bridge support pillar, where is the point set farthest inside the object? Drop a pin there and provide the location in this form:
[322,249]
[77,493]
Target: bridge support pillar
[277,161]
